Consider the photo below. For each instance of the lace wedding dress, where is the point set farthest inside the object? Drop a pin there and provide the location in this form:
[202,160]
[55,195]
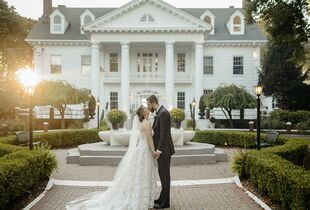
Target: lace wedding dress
[134,184]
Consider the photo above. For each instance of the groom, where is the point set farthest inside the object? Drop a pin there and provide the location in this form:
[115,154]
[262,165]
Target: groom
[164,148]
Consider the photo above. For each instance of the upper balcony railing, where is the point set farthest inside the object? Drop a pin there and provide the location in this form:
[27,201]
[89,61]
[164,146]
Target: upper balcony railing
[148,77]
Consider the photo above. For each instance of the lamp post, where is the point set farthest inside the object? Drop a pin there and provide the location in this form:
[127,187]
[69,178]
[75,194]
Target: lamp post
[194,123]
[98,121]
[29,80]
[258,91]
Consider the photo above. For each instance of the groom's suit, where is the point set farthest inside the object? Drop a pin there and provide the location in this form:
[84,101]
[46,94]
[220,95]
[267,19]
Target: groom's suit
[163,142]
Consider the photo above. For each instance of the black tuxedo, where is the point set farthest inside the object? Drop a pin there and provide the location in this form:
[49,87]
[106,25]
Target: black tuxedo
[163,142]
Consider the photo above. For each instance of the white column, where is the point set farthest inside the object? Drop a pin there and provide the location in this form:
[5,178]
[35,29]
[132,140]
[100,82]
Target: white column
[95,69]
[198,72]
[169,85]
[125,77]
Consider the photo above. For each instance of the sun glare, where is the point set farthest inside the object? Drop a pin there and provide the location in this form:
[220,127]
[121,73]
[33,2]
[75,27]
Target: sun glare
[27,77]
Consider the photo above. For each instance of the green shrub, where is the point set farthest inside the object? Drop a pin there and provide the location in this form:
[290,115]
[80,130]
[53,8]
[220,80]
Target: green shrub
[272,171]
[177,115]
[22,169]
[9,140]
[289,116]
[115,116]
[303,126]
[271,123]
[189,123]
[68,138]
[7,149]
[229,138]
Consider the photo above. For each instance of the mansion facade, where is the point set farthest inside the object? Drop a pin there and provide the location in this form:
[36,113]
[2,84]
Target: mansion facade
[146,47]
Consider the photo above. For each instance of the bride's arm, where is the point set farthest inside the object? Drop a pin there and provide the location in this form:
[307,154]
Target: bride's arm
[148,131]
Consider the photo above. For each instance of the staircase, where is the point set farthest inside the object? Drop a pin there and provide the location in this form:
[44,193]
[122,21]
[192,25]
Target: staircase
[103,154]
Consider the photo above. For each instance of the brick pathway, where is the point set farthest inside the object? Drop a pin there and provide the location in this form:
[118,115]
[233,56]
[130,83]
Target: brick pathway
[207,197]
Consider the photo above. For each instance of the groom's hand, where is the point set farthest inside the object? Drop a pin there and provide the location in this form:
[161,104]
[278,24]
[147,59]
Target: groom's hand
[157,154]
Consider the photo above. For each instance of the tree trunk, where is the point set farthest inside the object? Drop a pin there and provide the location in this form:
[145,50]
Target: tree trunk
[241,114]
[62,114]
[230,118]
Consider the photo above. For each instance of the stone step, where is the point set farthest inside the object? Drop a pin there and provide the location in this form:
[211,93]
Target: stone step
[102,149]
[175,160]
[102,154]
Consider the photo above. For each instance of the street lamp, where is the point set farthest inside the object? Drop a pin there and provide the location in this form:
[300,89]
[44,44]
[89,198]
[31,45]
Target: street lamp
[98,105]
[29,80]
[193,105]
[258,92]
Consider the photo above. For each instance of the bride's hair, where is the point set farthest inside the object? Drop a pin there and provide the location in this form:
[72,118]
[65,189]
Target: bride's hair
[140,113]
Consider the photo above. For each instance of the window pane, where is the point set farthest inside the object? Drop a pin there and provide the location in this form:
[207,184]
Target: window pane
[87,19]
[56,64]
[208,65]
[57,19]
[238,65]
[113,62]
[181,62]
[181,100]
[86,64]
[57,27]
[237,20]
[207,19]
[207,91]
[113,100]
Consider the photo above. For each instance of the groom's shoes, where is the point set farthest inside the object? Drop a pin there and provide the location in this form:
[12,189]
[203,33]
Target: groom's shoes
[158,206]
[156,201]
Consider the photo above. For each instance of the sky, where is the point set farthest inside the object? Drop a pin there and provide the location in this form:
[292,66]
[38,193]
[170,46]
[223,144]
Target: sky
[34,8]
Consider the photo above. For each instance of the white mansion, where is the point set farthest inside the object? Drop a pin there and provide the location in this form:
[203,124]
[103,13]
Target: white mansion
[146,47]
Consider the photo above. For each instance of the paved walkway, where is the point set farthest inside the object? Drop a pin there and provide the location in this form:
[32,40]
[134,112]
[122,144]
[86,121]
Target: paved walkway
[227,196]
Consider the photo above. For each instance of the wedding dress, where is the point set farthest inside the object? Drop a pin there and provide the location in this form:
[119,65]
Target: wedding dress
[134,184]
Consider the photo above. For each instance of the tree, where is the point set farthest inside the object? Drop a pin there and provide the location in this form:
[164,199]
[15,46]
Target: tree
[14,51]
[59,94]
[228,98]
[14,54]
[284,71]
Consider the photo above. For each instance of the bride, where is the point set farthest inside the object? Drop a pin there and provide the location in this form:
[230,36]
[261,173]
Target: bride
[134,184]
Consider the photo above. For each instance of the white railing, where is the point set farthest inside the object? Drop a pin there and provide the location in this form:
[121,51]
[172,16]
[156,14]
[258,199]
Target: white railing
[149,76]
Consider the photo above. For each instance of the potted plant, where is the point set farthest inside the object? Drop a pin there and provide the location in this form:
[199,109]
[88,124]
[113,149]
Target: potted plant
[212,120]
[115,117]
[124,118]
[177,116]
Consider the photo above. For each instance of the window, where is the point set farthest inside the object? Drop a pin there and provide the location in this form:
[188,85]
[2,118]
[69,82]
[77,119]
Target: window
[206,91]
[207,19]
[208,65]
[181,100]
[147,18]
[56,64]
[147,62]
[86,64]
[87,19]
[113,62]
[237,24]
[238,65]
[57,23]
[113,100]
[181,62]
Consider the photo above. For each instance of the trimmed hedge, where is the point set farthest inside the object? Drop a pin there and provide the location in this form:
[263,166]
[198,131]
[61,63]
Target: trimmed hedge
[62,138]
[68,138]
[272,171]
[21,169]
[227,138]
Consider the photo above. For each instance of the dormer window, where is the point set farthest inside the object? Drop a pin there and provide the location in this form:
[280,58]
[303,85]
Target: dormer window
[236,23]
[58,22]
[57,26]
[209,18]
[86,17]
[147,18]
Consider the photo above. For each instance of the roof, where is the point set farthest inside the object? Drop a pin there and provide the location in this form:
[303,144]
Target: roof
[41,31]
